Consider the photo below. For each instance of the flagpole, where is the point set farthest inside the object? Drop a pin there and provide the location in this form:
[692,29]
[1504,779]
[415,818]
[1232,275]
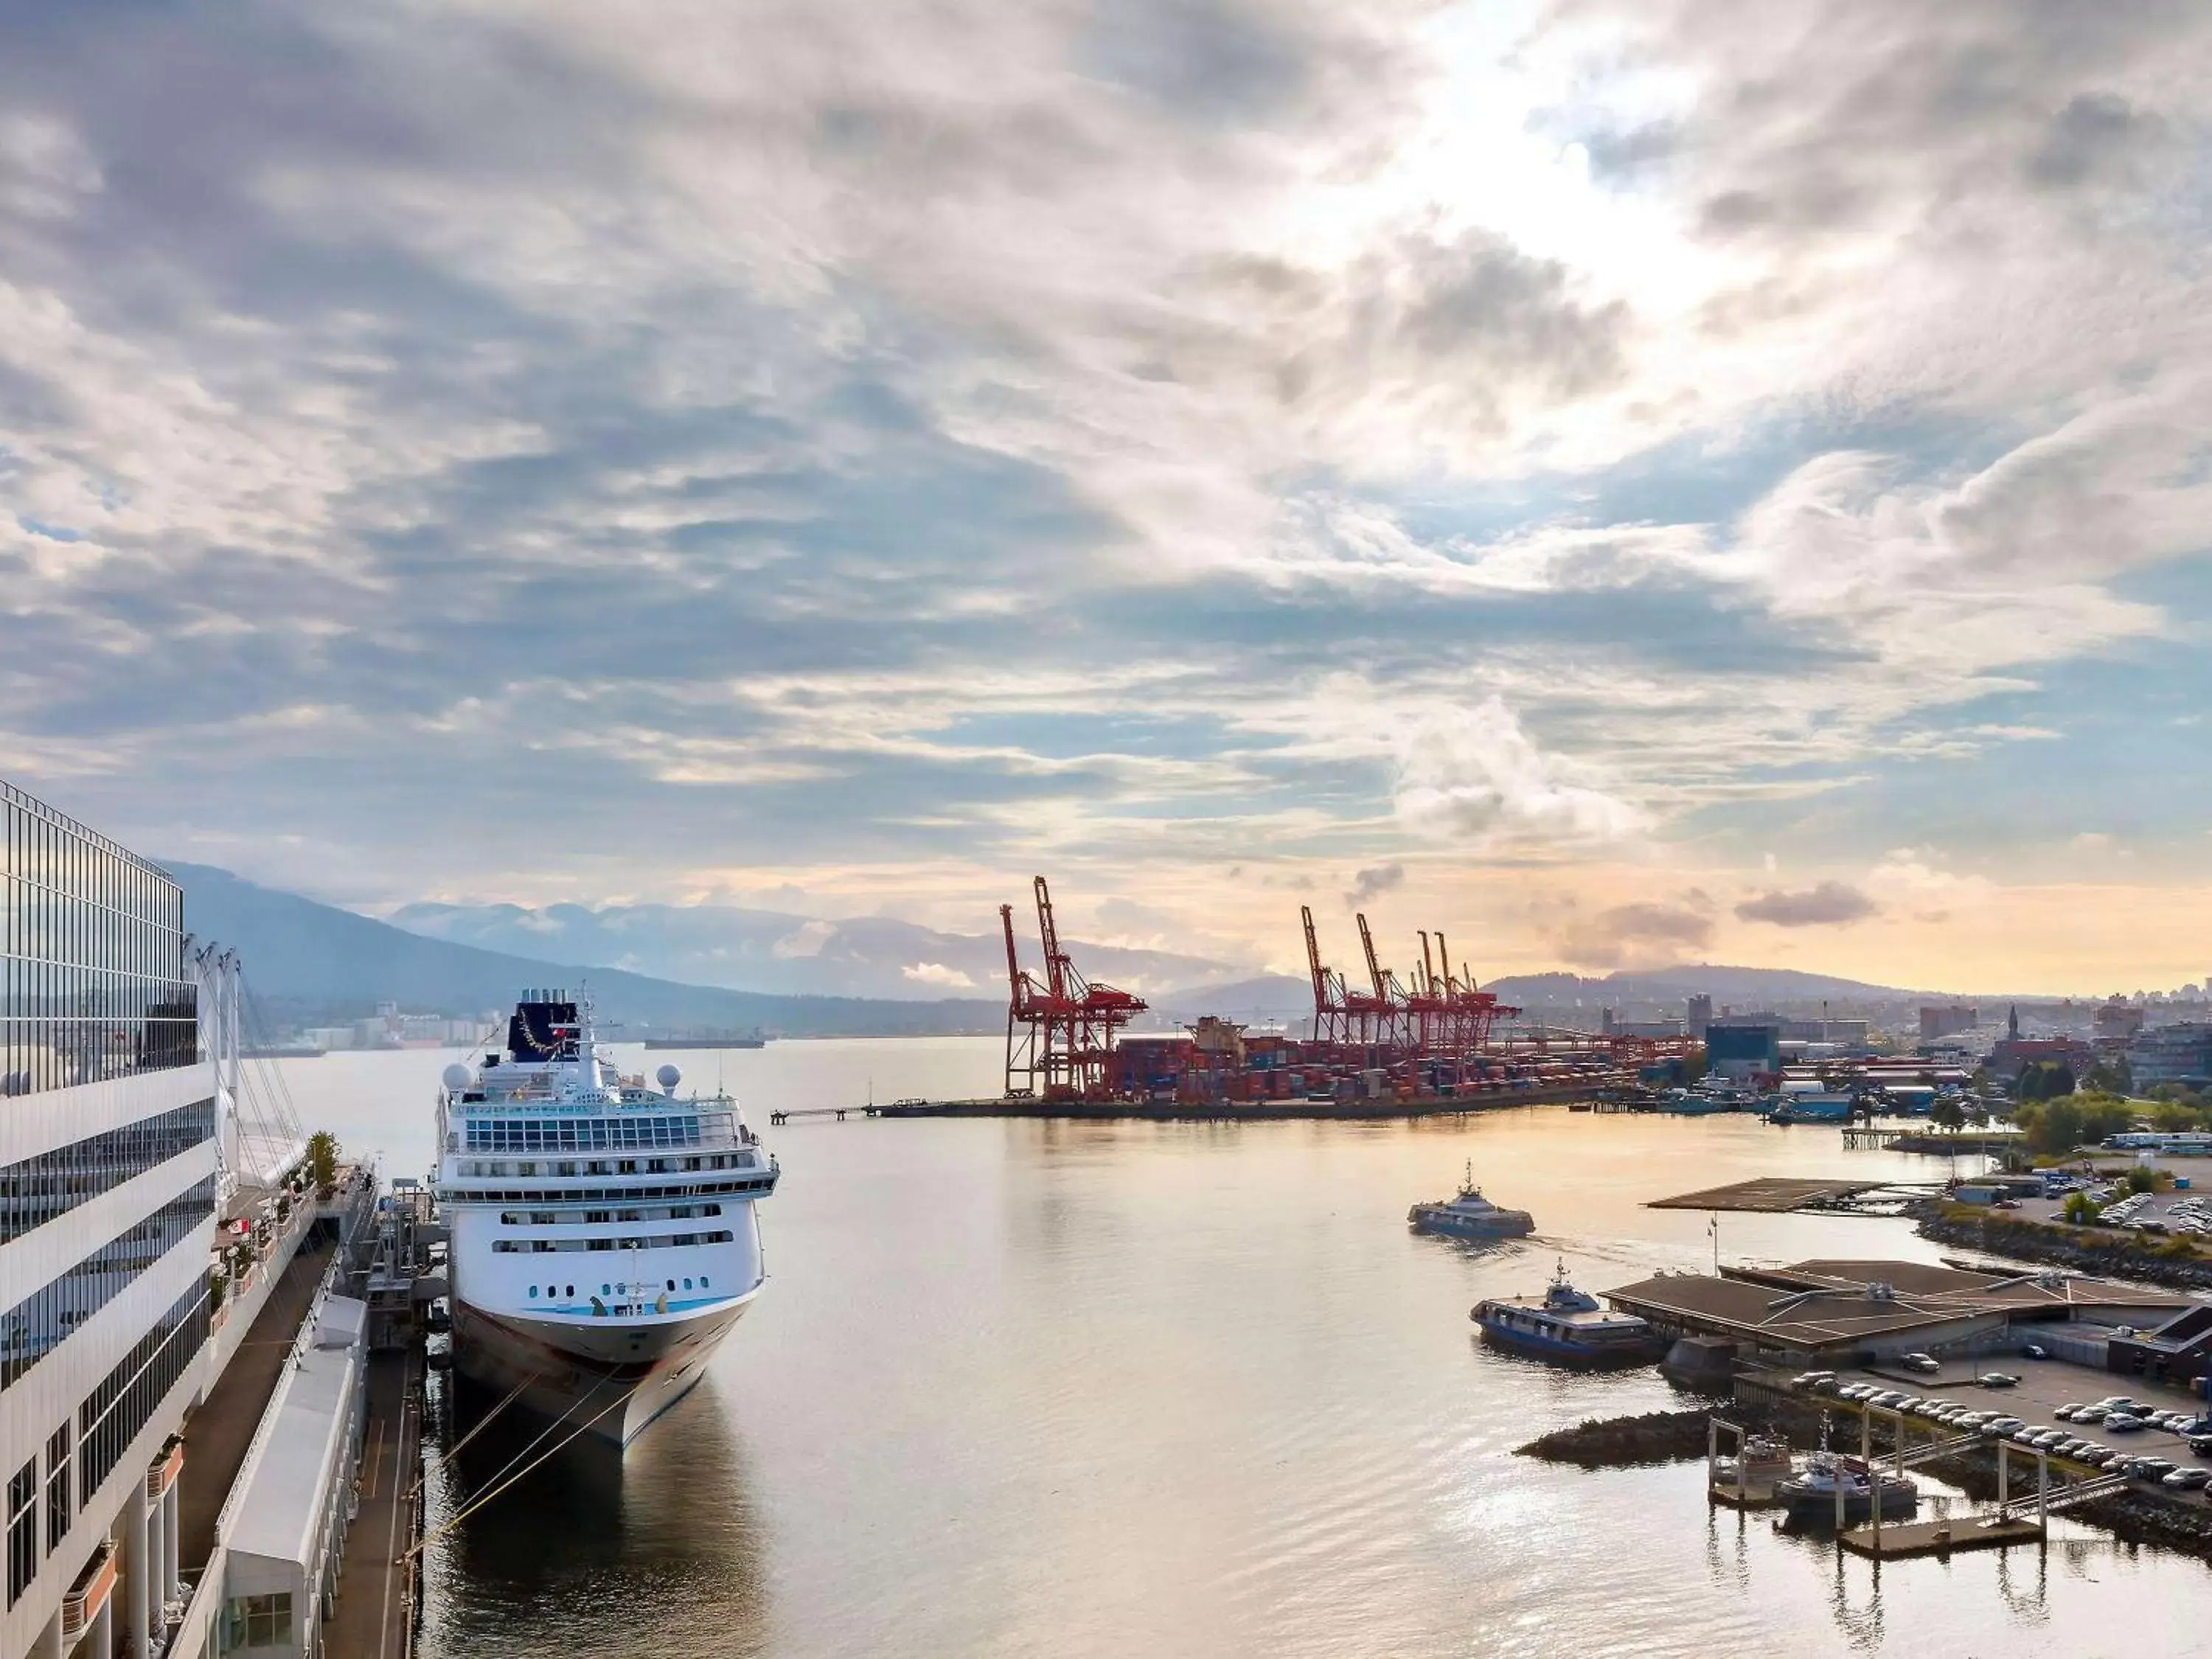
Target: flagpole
[1713,1227]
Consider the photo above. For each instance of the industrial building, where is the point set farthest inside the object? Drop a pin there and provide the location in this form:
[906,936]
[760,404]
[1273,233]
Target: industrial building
[1744,1049]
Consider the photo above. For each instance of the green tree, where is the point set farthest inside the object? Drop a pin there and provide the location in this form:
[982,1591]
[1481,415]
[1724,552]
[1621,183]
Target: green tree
[2114,1076]
[2054,1126]
[2080,1208]
[1948,1114]
[323,1160]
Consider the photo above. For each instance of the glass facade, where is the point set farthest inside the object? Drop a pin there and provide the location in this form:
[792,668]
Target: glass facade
[35,1190]
[112,1415]
[43,1321]
[589,1135]
[93,981]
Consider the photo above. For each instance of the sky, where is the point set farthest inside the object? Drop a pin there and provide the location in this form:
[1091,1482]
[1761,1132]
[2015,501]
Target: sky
[1620,481]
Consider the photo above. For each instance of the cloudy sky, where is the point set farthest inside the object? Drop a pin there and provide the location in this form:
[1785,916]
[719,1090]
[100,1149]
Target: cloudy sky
[1622,480]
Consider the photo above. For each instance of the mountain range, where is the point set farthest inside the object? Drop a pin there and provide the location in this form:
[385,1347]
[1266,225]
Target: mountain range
[672,967]
[785,953]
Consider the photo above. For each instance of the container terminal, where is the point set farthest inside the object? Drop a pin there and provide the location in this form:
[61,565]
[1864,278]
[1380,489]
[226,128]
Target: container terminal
[1380,1045]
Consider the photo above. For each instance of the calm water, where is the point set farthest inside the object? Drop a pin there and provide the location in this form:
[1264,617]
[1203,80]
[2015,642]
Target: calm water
[1043,1389]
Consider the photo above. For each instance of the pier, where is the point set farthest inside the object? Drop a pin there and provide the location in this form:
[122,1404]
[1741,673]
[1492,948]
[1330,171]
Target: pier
[379,1593]
[1296,1110]
[1765,1196]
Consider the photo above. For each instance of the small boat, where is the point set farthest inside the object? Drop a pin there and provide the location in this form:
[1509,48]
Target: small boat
[1764,1462]
[1567,1327]
[1470,1215]
[1810,1495]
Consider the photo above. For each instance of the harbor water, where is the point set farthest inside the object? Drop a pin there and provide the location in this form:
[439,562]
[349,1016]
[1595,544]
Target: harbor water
[1028,1388]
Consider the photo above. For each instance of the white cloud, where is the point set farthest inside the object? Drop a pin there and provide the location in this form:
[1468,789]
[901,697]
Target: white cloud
[937,973]
[1477,775]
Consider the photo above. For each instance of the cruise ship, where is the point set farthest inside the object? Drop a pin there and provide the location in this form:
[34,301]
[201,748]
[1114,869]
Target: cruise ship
[604,1235]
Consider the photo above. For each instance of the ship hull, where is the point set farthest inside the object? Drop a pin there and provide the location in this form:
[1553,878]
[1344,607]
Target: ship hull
[1582,1356]
[609,1381]
[1505,1223]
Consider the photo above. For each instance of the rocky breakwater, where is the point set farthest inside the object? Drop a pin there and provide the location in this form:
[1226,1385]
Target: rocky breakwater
[2095,1250]
[1621,1442]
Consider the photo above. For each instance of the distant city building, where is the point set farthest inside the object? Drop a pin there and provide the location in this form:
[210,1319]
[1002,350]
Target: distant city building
[2117,1018]
[2172,1054]
[1948,1020]
[2014,1054]
[1701,1015]
[1741,1048]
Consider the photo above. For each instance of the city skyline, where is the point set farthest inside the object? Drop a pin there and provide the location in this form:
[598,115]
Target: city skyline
[1623,489]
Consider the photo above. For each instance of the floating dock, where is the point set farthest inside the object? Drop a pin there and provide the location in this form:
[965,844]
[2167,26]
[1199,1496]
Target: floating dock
[1766,1195]
[1294,1110]
[1913,1538]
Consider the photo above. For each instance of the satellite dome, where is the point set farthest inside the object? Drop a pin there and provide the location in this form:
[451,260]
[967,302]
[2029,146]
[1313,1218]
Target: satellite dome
[668,1077]
[457,1076]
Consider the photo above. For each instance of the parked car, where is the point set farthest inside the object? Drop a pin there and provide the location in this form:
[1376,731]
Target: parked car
[2036,1350]
[2188,1480]
[1998,1427]
[2201,1444]
[2091,1413]
[2123,1423]
[2065,1413]
[1997,1380]
[2149,1468]
[1924,1363]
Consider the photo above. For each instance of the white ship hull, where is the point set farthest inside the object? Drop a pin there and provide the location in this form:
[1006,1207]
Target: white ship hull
[609,1380]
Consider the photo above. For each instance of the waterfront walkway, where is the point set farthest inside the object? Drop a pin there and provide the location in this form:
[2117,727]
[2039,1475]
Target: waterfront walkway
[220,1428]
[375,1612]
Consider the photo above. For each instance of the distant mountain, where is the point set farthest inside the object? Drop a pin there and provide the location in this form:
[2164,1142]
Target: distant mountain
[1745,988]
[309,959]
[779,953]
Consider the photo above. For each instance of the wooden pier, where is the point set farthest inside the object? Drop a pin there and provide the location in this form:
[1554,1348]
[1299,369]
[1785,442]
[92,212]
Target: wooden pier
[1765,1195]
[1294,1110]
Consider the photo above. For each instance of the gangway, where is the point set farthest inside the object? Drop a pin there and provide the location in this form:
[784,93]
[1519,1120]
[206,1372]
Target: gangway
[2063,1497]
[1917,1455]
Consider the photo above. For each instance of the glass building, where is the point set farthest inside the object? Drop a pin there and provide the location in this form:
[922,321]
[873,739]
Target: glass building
[108,1173]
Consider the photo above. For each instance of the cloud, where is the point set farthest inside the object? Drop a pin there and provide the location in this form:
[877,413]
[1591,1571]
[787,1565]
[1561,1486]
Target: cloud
[806,940]
[1634,935]
[1479,777]
[936,973]
[1370,883]
[1831,904]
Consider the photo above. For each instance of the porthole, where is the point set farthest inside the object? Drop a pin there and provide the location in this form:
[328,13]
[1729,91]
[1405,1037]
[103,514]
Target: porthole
[533,1289]
[606,1290]
[687,1284]
[672,1284]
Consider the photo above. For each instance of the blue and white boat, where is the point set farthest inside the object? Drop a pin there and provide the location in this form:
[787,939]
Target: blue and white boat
[603,1238]
[1470,1215]
[1566,1327]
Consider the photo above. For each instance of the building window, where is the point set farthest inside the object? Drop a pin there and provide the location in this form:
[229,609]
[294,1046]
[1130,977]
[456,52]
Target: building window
[93,981]
[36,1190]
[22,1529]
[258,1621]
[43,1321]
[58,1515]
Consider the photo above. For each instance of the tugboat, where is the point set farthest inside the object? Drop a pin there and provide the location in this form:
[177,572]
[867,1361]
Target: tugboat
[1567,1327]
[1809,1495]
[1470,1215]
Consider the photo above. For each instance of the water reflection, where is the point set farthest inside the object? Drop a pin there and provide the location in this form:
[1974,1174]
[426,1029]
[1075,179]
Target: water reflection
[592,1538]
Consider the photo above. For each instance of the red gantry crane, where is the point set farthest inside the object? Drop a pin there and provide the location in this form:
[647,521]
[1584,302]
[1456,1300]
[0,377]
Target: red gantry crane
[1058,1034]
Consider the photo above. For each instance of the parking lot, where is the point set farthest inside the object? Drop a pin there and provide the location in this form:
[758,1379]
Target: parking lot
[2044,1386]
[2189,1213]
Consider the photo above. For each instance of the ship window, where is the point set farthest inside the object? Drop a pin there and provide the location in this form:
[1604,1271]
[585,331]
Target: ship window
[629,1215]
[672,1284]
[597,1166]
[687,1284]
[703,1281]
[690,1163]
[568,1289]
[564,1168]
[710,1209]
[525,1169]
[599,1244]
[656,1166]
[543,1218]
[598,1215]
[606,1290]
[533,1289]
[626,1166]
[679,1211]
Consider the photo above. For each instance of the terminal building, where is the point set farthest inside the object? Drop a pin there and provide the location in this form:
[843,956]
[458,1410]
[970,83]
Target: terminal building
[1841,1313]
[108,1165]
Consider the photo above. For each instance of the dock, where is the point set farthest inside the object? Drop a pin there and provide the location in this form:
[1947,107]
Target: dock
[1295,1110]
[1766,1195]
[1912,1538]
[377,1596]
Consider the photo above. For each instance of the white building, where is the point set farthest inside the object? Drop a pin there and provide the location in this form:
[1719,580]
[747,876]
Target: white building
[108,1168]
